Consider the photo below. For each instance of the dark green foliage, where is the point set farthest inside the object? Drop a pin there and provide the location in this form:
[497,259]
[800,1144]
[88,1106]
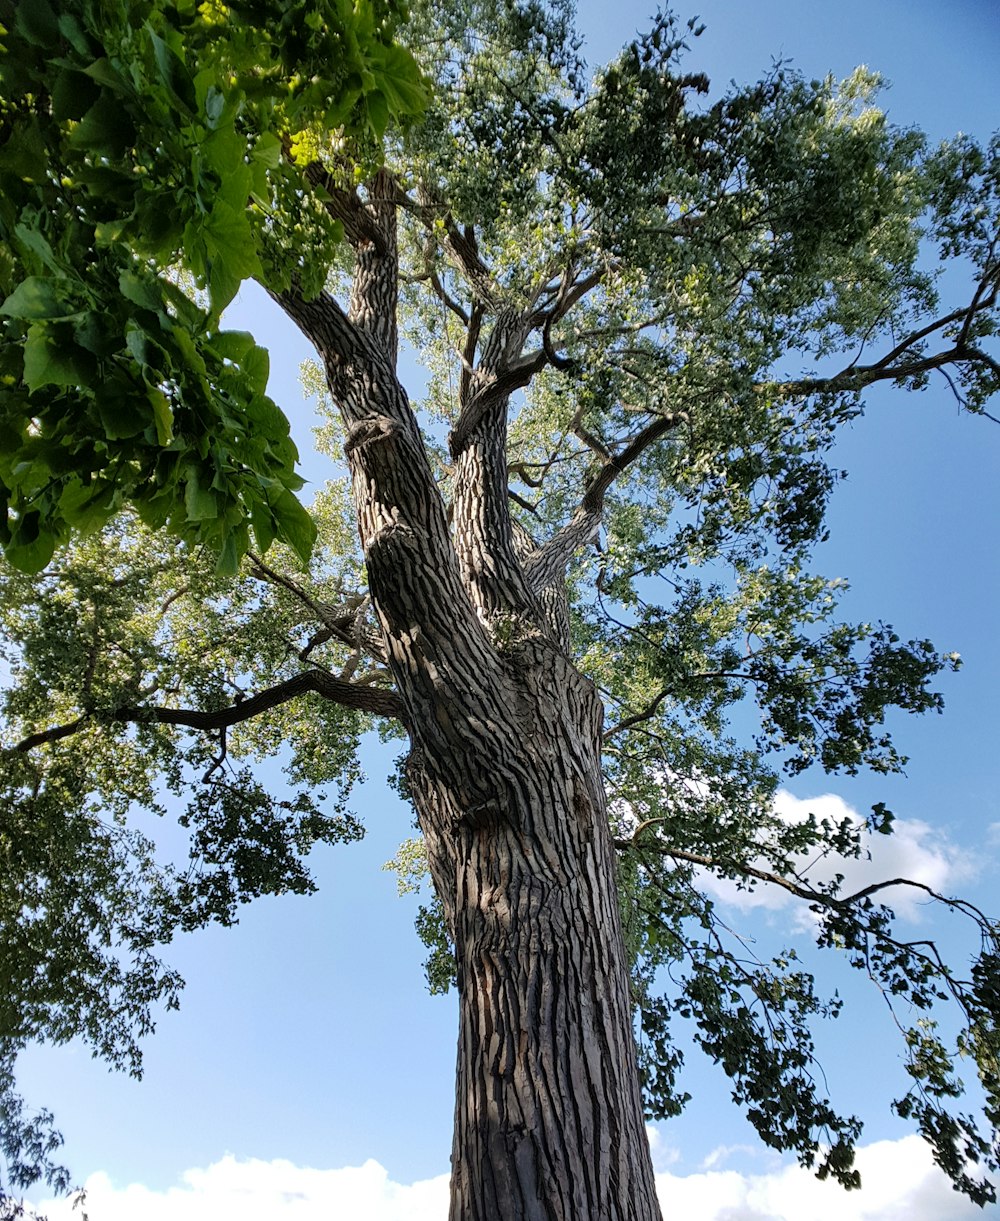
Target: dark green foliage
[141,145]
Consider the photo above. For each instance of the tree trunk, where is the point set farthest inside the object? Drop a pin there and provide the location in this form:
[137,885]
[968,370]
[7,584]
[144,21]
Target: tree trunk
[505,772]
[548,1116]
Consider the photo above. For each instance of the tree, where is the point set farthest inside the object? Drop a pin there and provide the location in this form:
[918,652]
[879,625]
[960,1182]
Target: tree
[586,545]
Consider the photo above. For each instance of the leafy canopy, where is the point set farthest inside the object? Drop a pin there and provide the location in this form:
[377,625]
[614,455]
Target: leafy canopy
[708,284]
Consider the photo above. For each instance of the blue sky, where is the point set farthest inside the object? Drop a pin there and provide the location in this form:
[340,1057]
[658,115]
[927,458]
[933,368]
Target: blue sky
[307,1045]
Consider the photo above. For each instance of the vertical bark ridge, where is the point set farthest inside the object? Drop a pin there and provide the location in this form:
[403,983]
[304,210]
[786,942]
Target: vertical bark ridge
[435,642]
[551,596]
[548,1114]
[484,541]
[505,773]
[375,287]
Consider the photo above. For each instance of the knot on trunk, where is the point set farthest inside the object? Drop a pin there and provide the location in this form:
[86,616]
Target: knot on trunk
[367,432]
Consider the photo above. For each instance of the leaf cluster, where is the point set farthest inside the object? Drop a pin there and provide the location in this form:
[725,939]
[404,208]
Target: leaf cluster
[135,140]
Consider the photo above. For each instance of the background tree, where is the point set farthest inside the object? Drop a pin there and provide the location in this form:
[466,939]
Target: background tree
[646,270]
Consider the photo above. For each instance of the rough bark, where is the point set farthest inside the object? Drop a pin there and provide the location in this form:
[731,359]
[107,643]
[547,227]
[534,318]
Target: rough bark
[548,1115]
[505,774]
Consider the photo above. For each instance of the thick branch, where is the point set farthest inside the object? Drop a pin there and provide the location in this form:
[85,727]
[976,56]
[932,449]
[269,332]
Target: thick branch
[324,323]
[375,286]
[344,204]
[551,559]
[459,245]
[548,564]
[493,390]
[609,472]
[350,695]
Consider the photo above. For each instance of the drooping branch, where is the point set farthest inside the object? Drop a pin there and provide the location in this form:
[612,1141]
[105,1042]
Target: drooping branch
[363,698]
[821,899]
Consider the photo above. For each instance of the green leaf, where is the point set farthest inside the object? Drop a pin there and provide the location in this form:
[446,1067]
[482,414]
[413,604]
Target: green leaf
[32,544]
[72,31]
[140,291]
[163,416]
[86,507]
[37,23]
[378,113]
[39,297]
[51,361]
[256,367]
[73,93]
[215,104]
[268,150]
[121,415]
[173,71]
[294,525]
[200,502]
[400,81]
[105,73]
[32,240]
[234,547]
[232,255]
[233,345]
[106,129]
[264,527]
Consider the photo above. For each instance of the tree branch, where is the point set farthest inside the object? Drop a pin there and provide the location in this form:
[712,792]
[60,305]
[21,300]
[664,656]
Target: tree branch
[493,389]
[552,558]
[344,204]
[857,377]
[609,472]
[800,890]
[324,323]
[459,245]
[339,622]
[363,698]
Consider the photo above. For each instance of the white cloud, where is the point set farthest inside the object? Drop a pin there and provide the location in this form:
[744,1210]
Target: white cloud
[901,1183]
[724,1152]
[663,1154]
[254,1190]
[915,850]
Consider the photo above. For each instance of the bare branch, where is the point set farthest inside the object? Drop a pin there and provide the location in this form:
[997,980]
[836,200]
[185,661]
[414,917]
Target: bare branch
[459,245]
[799,889]
[609,472]
[469,351]
[638,718]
